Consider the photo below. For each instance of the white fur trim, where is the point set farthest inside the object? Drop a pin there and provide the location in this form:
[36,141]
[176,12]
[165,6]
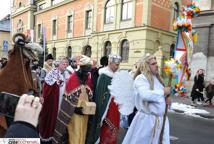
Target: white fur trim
[98,141]
[35,47]
[106,111]
[45,139]
[107,71]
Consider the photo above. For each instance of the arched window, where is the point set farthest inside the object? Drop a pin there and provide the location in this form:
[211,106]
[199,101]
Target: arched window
[54,52]
[20,4]
[109,11]
[157,45]
[176,10]
[87,51]
[124,50]
[20,26]
[172,51]
[69,51]
[127,8]
[107,48]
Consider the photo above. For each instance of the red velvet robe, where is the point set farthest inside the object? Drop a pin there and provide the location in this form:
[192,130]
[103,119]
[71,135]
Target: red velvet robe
[74,83]
[49,111]
[108,133]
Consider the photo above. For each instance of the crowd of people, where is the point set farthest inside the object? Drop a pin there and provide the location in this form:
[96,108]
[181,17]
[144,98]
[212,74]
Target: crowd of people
[77,107]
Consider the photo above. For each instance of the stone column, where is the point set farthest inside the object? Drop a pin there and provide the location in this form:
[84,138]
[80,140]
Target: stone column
[159,57]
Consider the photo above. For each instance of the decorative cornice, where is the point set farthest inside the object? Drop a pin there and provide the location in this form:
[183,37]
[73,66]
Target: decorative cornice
[206,13]
[145,27]
[202,25]
[53,7]
[37,1]
[169,33]
[28,8]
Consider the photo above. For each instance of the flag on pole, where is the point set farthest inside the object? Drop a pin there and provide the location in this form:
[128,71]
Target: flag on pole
[30,34]
[44,40]
[44,37]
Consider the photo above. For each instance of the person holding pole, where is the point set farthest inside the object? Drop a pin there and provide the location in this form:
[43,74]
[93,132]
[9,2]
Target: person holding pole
[151,98]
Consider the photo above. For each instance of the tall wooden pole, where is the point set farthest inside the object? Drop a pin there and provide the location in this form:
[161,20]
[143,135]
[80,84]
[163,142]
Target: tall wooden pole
[166,110]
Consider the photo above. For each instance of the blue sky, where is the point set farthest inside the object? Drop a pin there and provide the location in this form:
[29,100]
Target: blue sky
[4,8]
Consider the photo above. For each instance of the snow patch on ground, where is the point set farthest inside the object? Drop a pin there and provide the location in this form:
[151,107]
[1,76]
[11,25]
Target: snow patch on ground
[187,109]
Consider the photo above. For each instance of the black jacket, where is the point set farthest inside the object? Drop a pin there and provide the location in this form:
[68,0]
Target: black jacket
[21,129]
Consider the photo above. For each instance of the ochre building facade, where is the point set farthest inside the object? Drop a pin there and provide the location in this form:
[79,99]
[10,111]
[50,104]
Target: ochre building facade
[130,28]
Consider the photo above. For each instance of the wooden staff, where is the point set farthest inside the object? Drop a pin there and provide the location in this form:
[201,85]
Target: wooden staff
[166,110]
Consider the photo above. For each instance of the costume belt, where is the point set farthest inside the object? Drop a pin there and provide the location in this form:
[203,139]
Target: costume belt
[157,122]
[147,112]
[111,125]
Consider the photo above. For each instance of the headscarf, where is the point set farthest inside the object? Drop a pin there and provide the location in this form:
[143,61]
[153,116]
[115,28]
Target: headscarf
[84,60]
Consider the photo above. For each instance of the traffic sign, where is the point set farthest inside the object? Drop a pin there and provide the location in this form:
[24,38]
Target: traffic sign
[5,45]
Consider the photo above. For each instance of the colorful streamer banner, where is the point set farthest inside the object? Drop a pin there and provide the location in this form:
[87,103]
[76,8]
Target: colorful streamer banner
[184,47]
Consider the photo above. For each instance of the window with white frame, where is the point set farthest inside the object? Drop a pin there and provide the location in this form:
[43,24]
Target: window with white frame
[41,6]
[20,26]
[88,19]
[172,50]
[53,2]
[176,10]
[70,24]
[54,52]
[54,27]
[20,4]
[107,48]
[69,51]
[109,11]
[127,8]
[124,50]
[87,51]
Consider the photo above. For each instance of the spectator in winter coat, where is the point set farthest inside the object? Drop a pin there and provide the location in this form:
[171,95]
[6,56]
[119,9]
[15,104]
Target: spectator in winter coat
[48,66]
[198,87]
[210,91]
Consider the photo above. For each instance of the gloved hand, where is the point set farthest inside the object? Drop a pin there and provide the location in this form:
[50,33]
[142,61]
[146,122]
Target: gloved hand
[28,109]
[78,110]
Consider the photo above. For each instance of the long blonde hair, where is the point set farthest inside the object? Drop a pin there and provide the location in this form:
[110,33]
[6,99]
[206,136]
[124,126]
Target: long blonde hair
[143,68]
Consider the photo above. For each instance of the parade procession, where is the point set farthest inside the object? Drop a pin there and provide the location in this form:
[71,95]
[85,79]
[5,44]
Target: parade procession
[107,72]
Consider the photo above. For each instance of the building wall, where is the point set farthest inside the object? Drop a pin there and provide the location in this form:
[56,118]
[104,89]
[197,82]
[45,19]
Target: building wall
[23,2]
[161,13]
[149,29]
[139,13]
[15,20]
[4,36]
[204,25]
[60,14]
[22,10]
[141,40]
